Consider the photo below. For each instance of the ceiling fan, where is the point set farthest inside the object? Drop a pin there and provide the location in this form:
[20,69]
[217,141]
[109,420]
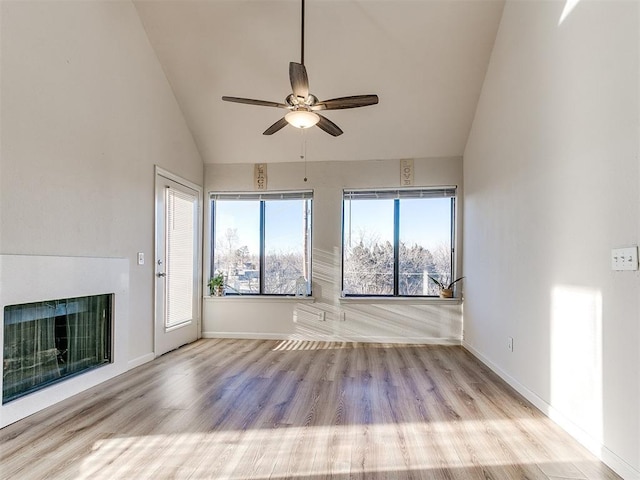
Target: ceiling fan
[303,106]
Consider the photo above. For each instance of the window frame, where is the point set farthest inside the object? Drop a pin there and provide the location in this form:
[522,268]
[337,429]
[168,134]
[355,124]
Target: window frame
[399,192]
[262,197]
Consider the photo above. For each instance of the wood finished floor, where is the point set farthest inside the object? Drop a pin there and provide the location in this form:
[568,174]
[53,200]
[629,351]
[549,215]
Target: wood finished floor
[240,409]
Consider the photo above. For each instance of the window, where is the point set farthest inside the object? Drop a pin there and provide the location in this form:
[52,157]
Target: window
[393,240]
[262,242]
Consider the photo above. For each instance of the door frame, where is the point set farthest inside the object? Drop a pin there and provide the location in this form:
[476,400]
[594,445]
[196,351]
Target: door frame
[159,173]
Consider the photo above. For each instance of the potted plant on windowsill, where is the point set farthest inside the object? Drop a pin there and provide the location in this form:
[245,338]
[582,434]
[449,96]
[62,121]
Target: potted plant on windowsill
[446,289]
[216,285]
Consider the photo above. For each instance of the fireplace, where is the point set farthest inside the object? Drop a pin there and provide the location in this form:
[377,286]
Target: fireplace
[46,342]
[63,329]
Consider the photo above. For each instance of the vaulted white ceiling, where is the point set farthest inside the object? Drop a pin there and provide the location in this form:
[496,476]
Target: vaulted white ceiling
[425,59]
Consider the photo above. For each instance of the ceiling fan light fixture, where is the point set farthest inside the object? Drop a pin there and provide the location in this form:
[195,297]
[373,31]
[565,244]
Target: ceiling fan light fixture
[302,118]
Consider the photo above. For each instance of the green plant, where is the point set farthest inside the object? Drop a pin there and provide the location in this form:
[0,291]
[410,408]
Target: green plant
[443,285]
[217,281]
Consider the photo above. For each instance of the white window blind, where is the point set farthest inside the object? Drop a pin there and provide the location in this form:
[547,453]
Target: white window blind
[285,195]
[427,192]
[180,252]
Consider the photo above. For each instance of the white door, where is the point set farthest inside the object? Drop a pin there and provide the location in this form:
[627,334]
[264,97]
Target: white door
[177,262]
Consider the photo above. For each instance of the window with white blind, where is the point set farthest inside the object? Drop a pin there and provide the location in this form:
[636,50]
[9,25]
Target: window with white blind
[394,239]
[261,241]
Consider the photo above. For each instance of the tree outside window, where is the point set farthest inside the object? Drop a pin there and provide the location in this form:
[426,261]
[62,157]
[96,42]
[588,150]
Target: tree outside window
[262,242]
[393,240]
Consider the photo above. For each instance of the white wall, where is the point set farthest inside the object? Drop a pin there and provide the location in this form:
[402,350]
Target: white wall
[86,112]
[551,185]
[400,320]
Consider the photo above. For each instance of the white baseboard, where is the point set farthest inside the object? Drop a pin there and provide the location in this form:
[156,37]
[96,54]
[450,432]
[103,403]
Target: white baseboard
[402,340]
[136,362]
[247,335]
[620,466]
[333,338]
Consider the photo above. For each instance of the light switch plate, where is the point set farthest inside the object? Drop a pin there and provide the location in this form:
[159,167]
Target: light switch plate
[140,258]
[624,258]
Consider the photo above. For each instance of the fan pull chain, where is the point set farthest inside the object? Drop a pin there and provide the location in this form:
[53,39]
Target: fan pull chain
[303,152]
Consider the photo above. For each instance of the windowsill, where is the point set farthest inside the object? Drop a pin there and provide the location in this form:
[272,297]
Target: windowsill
[259,298]
[355,300]
[412,300]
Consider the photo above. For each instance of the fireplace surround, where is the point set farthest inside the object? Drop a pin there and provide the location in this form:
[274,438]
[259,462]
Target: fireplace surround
[35,279]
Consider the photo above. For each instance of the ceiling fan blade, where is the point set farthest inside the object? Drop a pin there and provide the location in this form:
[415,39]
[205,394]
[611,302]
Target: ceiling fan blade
[275,127]
[329,127]
[299,79]
[250,101]
[346,102]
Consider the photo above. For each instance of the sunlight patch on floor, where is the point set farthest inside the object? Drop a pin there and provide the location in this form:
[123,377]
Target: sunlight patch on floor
[301,345]
[324,450]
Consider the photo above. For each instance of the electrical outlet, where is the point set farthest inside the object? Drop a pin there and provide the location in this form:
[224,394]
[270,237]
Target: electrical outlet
[510,344]
[624,258]
[322,316]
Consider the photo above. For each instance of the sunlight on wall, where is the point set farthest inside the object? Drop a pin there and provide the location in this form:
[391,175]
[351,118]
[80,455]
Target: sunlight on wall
[576,357]
[369,320]
[568,8]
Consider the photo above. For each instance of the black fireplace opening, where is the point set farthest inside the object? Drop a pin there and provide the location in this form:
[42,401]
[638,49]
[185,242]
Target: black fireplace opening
[46,342]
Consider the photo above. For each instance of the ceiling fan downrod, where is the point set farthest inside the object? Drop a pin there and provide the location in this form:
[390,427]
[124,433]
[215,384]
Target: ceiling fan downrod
[302,36]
